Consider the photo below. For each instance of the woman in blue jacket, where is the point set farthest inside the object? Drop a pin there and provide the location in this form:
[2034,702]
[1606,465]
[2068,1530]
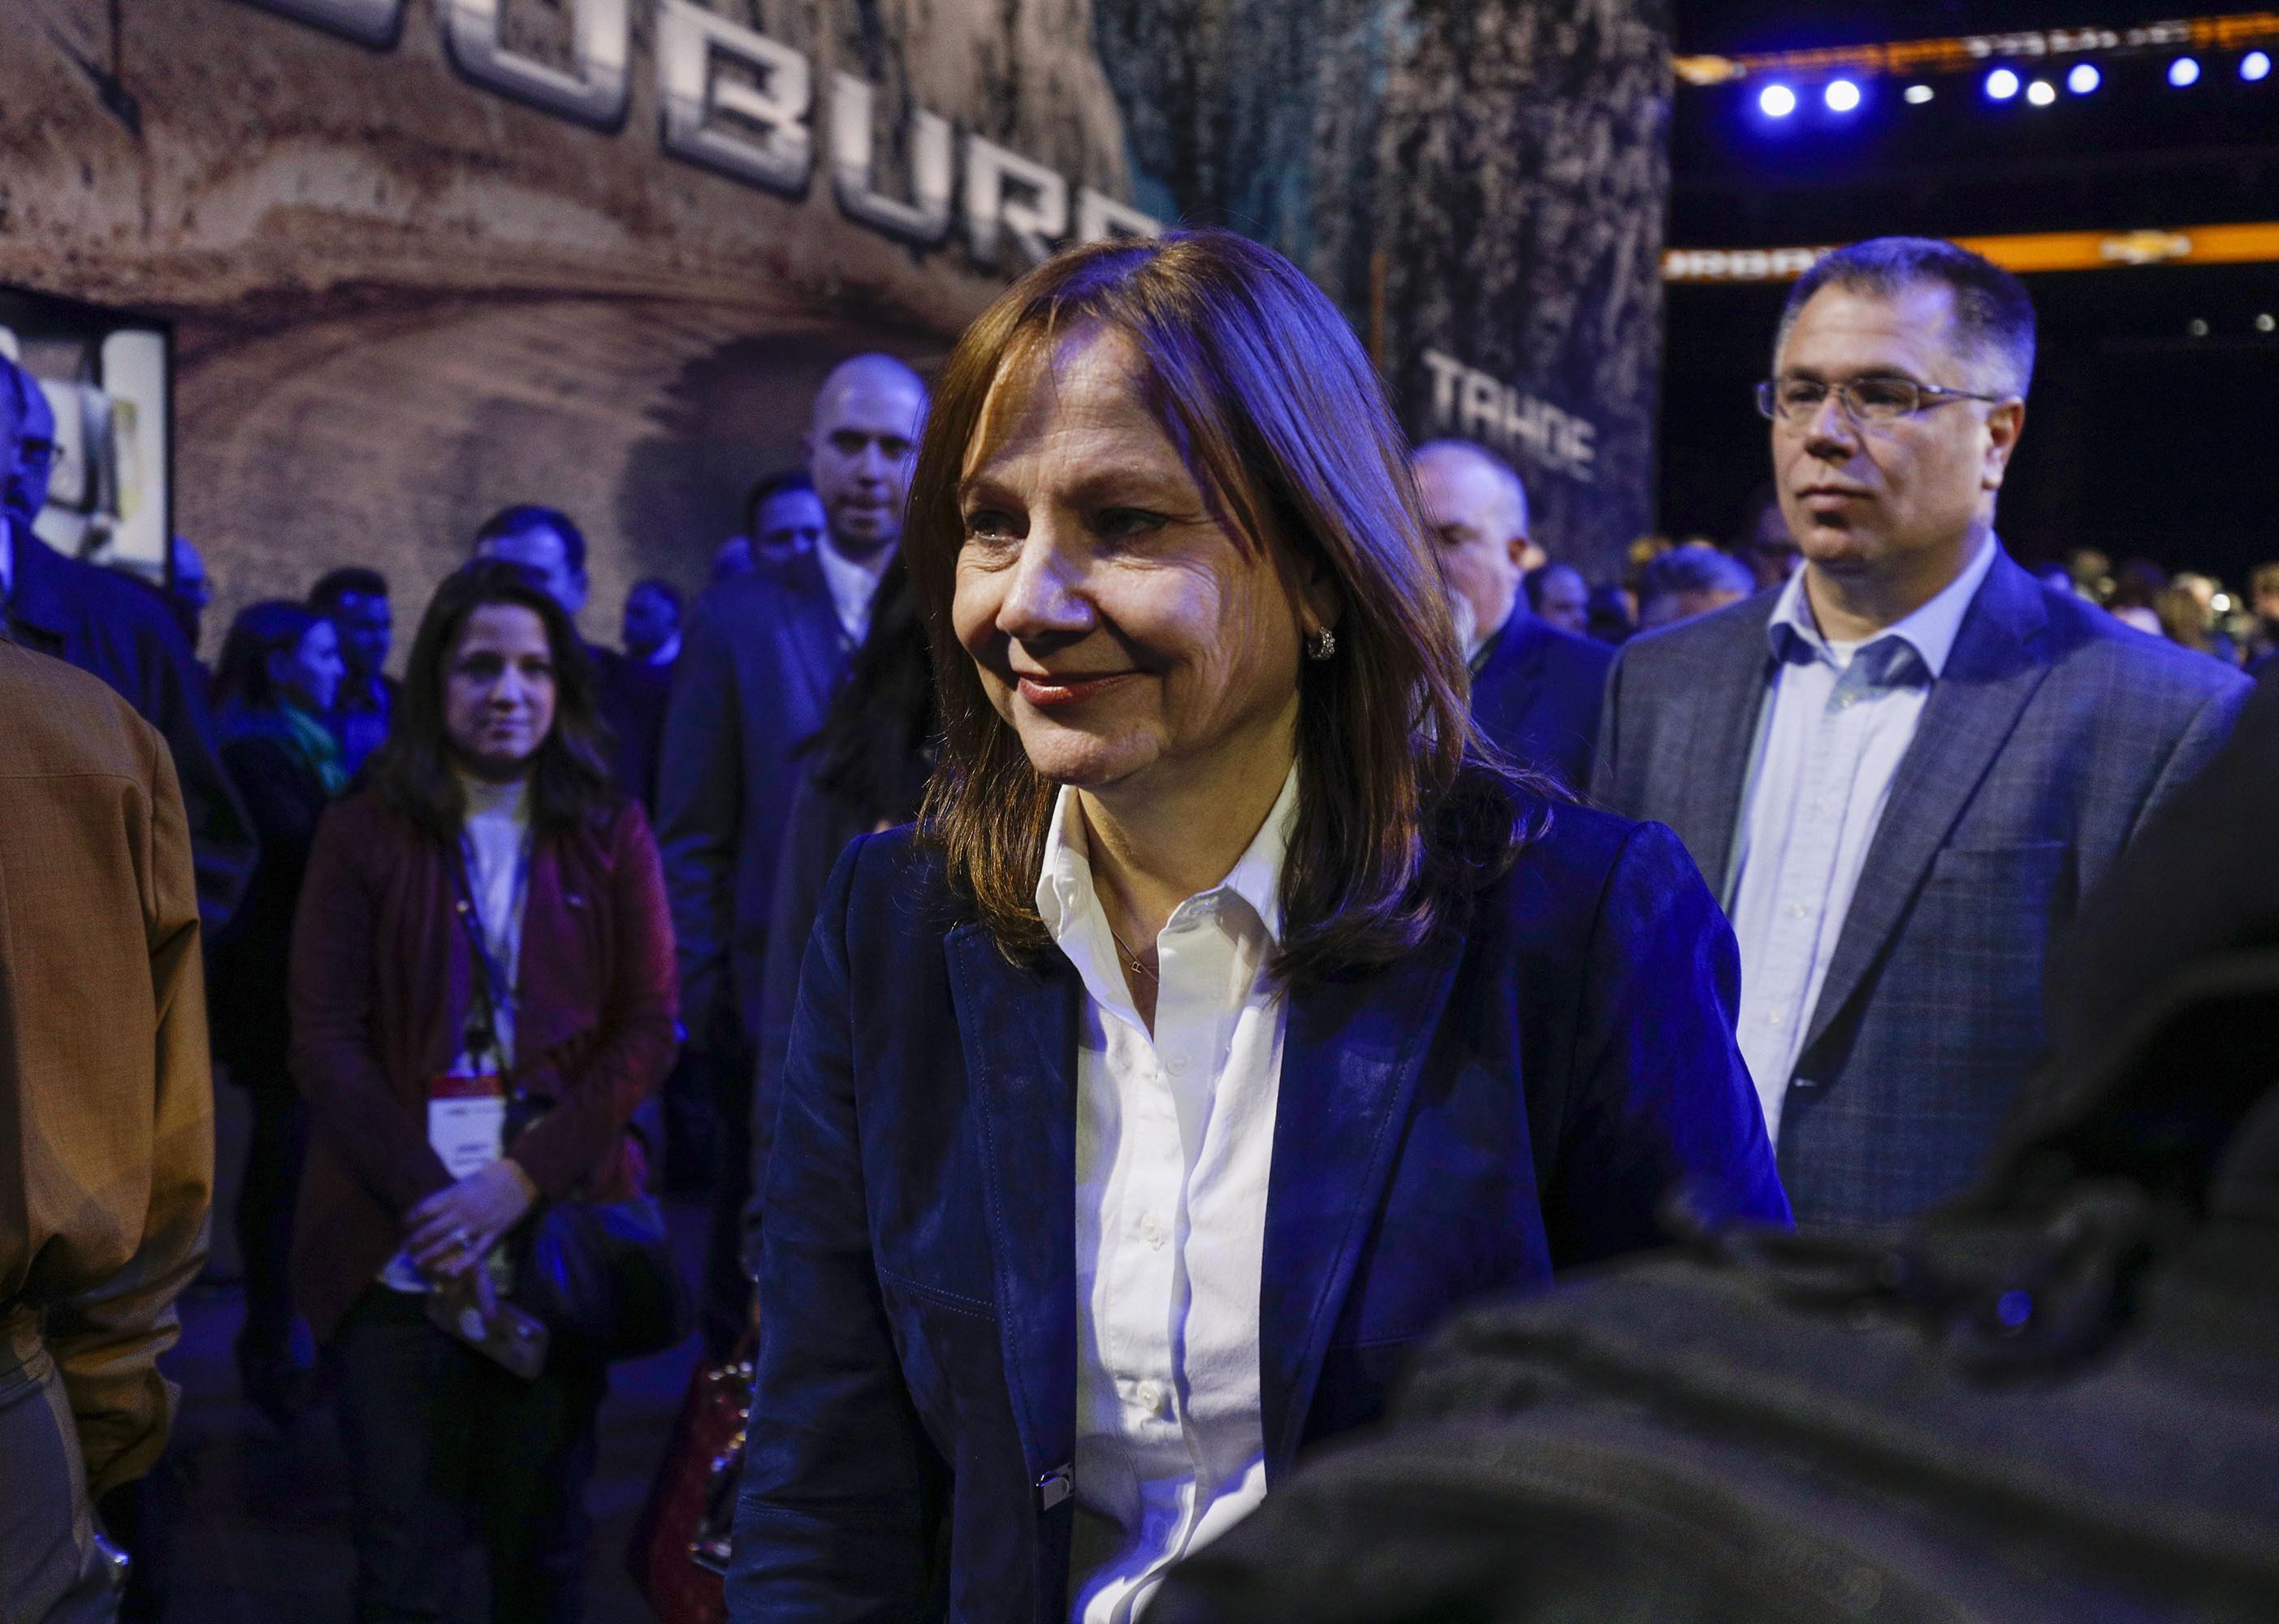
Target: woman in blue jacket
[1227,1018]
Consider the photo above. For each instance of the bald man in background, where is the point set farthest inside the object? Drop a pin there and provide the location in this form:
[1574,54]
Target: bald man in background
[1536,691]
[763,654]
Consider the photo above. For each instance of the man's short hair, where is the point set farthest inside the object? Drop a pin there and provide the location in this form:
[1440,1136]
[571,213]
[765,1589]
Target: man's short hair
[1694,567]
[1502,469]
[663,589]
[337,586]
[767,489]
[1993,313]
[525,517]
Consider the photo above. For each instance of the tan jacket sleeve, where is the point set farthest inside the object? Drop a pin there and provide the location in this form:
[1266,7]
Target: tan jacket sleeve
[106,1340]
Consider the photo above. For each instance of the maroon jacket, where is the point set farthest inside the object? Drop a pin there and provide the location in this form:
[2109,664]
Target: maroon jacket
[380,984]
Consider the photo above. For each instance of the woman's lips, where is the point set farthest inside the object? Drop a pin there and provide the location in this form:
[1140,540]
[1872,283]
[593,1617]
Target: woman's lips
[1050,692]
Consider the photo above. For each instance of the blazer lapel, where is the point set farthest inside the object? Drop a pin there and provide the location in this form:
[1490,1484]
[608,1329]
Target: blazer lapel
[1992,671]
[1350,1060]
[1017,1028]
[1716,735]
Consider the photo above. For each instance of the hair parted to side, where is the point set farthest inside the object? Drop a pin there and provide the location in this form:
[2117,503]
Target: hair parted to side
[413,771]
[1258,381]
[1993,313]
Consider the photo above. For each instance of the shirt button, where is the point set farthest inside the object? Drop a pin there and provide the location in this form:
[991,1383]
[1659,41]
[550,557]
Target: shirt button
[1821,805]
[1797,910]
[1845,702]
[1151,1230]
[1147,1398]
[1772,1017]
[1178,1064]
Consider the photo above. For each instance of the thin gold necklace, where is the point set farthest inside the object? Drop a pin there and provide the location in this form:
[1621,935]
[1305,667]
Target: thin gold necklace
[1132,958]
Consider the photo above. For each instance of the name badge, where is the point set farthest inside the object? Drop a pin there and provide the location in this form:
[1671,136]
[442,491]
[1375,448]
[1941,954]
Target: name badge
[466,1121]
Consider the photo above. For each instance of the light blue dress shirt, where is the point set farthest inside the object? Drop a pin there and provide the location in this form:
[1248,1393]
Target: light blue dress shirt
[1837,719]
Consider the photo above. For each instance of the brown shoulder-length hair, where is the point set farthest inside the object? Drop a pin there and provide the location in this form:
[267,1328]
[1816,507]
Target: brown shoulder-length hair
[1258,381]
[412,772]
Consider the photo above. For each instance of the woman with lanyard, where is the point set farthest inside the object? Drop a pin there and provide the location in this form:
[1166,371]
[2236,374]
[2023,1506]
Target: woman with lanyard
[482,993]
[280,668]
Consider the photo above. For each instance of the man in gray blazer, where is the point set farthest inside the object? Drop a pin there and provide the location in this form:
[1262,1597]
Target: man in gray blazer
[762,655]
[1907,765]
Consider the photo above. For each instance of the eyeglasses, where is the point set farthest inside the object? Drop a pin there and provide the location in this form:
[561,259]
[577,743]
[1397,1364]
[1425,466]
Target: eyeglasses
[1870,403]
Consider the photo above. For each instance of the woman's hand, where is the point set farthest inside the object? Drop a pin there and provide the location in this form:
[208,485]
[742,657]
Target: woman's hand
[455,1228]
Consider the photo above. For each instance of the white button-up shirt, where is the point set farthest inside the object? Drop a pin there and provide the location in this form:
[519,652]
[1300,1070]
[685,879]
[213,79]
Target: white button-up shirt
[852,588]
[1836,722]
[1174,1141]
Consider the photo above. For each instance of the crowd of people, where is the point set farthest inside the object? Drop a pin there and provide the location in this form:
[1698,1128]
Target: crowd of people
[1137,891]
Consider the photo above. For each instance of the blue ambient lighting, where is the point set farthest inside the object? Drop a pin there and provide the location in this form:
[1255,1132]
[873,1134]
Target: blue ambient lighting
[2256,64]
[2183,71]
[2084,78]
[1777,100]
[1842,95]
[2001,85]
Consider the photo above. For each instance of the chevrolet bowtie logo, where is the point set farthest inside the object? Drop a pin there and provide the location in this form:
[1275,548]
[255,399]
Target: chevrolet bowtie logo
[2145,247]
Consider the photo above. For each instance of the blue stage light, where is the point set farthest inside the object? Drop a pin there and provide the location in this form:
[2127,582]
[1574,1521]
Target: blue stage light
[2183,71]
[1917,95]
[2084,78]
[2255,65]
[2001,85]
[1842,95]
[2041,93]
[1777,100]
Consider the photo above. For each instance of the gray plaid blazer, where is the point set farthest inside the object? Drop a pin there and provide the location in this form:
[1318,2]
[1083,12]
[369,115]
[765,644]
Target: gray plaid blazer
[2051,733]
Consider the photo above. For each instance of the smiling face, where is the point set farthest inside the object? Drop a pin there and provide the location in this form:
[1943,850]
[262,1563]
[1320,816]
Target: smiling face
[1132,641]
[498,691]
[1904,501]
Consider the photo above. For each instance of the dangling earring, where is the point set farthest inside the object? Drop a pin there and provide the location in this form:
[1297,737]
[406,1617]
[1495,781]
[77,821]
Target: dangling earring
[1322,644]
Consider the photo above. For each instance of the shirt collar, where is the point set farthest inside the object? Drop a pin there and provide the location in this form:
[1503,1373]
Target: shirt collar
[851,588]
[1930,631]
[1069,907]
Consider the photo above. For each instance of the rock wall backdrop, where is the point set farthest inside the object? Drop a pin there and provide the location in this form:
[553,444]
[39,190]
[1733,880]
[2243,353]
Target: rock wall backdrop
[424,257]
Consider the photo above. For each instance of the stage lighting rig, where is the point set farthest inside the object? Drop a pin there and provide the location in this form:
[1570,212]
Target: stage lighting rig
[1842,95]
[2255,66]
[2001,85]
[2184,72]
[2084,78]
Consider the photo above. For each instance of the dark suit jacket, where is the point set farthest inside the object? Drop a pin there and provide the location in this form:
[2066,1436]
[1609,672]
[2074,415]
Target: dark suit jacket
[1512,1098]
[248,962]
[761,657]
[631,696]
[380,986]
[1537,696]
[106,624]
[2052,733]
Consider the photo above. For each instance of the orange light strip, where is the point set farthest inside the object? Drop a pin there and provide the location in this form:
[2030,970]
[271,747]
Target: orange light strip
[1968,52]
[2046,250]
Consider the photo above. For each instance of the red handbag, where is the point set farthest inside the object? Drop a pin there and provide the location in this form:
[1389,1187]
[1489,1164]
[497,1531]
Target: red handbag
[679,1556]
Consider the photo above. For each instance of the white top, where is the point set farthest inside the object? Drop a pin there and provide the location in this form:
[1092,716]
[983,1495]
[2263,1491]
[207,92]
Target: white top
[497,829]
[1836,720]
[1174,1140]
[852,588]
[497,824]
